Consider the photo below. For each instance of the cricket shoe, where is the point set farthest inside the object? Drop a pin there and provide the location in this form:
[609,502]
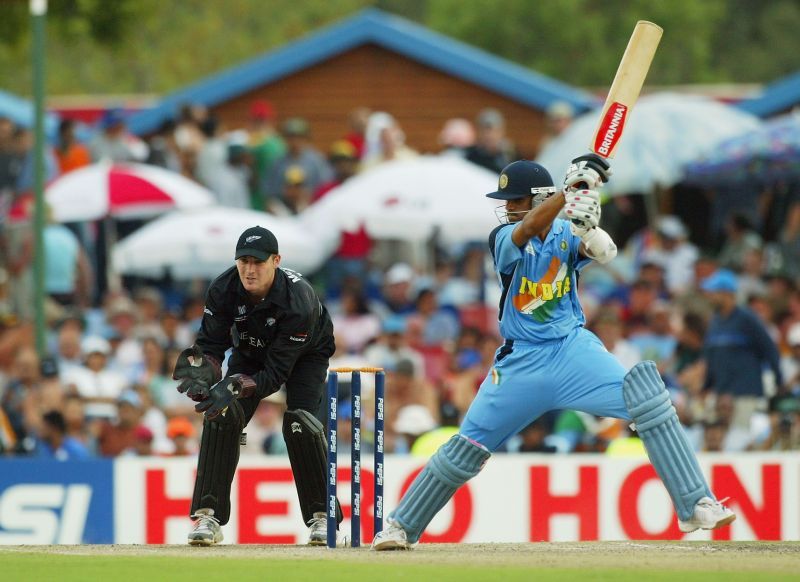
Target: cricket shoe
[318,532]
[206,531]
[393,537]
[708,514]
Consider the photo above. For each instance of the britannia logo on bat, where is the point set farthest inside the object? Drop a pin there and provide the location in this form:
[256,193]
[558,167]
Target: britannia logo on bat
[611,129]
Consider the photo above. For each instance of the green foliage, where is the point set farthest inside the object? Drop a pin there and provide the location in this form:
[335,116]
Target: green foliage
[157,46]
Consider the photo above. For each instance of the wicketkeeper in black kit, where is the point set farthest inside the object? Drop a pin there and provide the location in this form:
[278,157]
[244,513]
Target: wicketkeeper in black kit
[280,334]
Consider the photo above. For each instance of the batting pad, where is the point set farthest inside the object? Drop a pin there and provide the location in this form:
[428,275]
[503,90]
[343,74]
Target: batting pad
[657,423]
[455,463]
[308,455]
[216,465]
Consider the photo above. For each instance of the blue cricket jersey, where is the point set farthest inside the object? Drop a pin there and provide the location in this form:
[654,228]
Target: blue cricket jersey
[539,300]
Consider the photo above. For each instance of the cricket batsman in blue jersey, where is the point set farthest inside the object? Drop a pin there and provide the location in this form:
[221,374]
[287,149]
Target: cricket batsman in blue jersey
[549,360]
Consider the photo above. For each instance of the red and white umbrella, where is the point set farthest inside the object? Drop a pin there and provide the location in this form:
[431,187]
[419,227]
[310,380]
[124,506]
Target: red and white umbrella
[122,191]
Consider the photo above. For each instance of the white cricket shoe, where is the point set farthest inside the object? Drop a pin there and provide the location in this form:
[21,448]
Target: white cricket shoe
[206,531]
[393,537]
[708,514]
[318,529]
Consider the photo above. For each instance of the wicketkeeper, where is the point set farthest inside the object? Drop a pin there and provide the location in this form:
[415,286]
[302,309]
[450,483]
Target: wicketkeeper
[280,334]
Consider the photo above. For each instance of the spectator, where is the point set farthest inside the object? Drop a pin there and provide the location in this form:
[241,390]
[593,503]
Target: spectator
[68,276]
[492,150]
[24,142]
[736,348]
[790,363]
[113,142]
[440,326]
[54,443]
[674,252]
[784,422]
[119,435]
[741,238]
[358,120]
[609,328]
[98,386]
[123,317]
[412,422]
[356,325]
[142,442]
[299,153]
[456,137]
[658,341]
[296,193]
[213,168]
[558,117]
[392,347]
[9,163]
[181,432]
[385,141]
[75,420]
[266,147]
[534,439]
[398,284]
[163,148]
[70,153]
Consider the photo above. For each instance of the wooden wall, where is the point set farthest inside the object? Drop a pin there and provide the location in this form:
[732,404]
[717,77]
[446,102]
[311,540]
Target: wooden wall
[421,99]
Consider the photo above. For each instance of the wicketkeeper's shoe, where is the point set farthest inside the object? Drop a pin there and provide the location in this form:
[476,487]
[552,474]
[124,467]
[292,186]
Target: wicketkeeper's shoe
[318,530]
[393,537]
[708,514]
[206,531]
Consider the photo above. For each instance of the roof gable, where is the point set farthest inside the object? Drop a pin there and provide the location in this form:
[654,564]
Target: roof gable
[393,33]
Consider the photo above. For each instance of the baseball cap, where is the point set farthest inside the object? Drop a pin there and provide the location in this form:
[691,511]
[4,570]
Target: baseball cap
[296,126]
[521,179]
[257,242]
[671,227]
[95,345]
[262,109]
[130,397]
[342,149]
[294,176]
[721,280]
[180,426]
[414,419]
[399,273]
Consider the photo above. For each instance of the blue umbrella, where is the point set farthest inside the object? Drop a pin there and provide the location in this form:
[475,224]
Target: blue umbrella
[21,112]
[764,155]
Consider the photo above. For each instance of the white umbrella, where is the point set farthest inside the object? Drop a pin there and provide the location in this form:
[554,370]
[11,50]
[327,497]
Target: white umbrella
[122,191]
[202,242]
[663,133]
[410,200]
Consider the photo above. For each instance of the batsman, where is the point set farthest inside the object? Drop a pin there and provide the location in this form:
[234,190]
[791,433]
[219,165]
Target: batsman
[549,360]
[279,333]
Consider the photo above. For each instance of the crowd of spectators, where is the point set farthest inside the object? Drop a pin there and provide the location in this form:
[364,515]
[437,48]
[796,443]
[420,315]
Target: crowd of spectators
[722,323]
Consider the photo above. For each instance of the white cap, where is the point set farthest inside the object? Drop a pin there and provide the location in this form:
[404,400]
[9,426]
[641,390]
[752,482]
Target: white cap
[414,419]
[95,345]
[793,335]
[671,227]
[399,273]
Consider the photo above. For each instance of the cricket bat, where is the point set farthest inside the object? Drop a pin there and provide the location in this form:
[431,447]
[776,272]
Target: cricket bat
[625,89]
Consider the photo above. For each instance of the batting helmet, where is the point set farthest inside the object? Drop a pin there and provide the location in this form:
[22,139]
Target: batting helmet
[524,178]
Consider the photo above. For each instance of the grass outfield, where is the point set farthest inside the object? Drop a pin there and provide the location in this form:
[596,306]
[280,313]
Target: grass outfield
[617,561]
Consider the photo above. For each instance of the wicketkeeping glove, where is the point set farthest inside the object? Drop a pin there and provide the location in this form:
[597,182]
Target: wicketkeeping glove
[589,171]
[198,373]
[224,392]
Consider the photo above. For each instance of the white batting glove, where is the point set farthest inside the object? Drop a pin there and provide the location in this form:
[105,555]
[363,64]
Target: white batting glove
[589,171]
[583,207]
